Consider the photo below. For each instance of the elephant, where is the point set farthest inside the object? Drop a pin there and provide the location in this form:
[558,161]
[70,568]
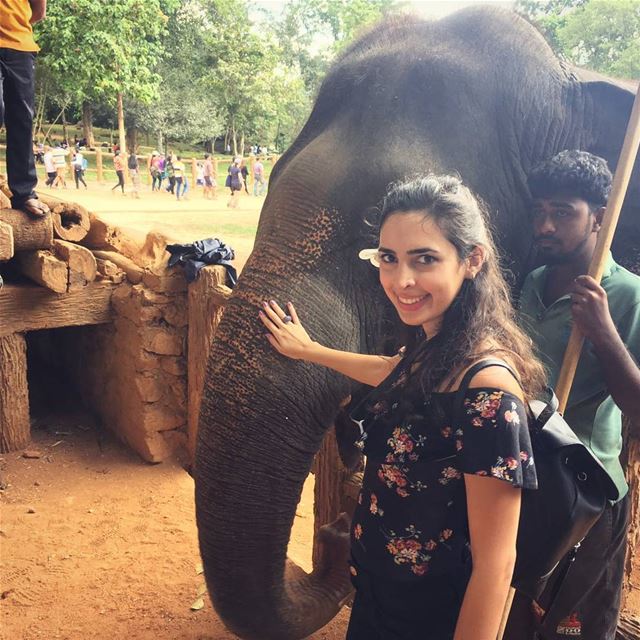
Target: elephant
[478,93]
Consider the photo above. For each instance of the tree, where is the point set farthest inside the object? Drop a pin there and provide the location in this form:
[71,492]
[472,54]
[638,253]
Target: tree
[312,32]
[99,51]
[603,35]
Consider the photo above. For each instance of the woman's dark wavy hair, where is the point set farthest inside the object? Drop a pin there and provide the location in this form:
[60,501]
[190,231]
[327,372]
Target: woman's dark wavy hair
[482,311]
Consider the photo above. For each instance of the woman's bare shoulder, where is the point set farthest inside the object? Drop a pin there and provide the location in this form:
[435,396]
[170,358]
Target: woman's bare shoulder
[493,377]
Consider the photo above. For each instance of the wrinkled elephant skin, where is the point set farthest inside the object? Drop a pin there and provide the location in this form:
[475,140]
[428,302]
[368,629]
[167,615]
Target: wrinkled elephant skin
[478,93]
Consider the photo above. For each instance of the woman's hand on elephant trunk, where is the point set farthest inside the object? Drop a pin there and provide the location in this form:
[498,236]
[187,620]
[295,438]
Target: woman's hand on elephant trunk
[286,334]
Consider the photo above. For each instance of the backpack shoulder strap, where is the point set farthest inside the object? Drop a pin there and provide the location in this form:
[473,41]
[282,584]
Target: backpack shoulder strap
[468,376]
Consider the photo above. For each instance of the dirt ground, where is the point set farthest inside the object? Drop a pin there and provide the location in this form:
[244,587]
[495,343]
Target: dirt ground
[185,221]
[93,541]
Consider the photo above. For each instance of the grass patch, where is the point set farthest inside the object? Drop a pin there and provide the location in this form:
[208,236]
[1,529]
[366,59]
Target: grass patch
[237,230]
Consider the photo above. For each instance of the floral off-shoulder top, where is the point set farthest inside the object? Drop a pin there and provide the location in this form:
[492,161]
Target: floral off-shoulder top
[411,516]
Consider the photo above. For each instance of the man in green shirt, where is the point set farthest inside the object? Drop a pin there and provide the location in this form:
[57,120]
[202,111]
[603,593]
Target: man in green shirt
[569,194]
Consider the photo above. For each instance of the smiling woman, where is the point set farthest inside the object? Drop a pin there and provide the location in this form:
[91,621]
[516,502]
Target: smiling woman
[439,483]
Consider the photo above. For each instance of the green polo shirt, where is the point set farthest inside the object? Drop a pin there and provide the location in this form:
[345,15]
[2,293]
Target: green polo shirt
[591,411]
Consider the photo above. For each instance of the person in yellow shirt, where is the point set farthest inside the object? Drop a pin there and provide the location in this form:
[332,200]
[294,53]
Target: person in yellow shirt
[17,65]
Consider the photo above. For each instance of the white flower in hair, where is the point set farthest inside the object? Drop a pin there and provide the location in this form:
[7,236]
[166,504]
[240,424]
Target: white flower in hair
[371,255]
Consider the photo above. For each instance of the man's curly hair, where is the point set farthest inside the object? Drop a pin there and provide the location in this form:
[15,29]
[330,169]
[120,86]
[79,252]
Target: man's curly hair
[575,172]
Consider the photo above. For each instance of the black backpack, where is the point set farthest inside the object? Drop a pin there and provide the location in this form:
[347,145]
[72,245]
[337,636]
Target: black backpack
[573,490]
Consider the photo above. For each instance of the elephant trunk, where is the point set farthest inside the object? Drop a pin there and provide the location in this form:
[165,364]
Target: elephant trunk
[262,421]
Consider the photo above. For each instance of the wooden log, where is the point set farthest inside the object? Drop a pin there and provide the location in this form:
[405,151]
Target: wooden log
[110,271]
[133,271]
[31,308]
[80,260]
[205,313]
[43,267]
[331,476]
[5,201]
[71,220]
[28,232]
[630,460]
[15,430]
[628,628]
[6,241]
[107,237]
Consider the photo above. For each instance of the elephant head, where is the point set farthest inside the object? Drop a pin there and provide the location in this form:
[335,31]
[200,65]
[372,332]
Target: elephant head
[478,93]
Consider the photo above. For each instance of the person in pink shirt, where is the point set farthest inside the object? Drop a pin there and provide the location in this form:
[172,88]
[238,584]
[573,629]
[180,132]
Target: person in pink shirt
[118,165]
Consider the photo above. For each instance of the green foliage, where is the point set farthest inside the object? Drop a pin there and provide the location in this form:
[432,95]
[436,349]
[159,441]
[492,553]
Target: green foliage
[311,32]
[193,70]
[92,50]
[603,35]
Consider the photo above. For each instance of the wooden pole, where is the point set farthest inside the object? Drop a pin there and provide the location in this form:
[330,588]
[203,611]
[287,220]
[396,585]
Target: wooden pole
[596,268]
[603,245]
[100,177]
[194,173]
[207,297]
[15,429]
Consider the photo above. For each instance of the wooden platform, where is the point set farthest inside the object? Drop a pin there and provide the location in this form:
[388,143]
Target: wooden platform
[29,307]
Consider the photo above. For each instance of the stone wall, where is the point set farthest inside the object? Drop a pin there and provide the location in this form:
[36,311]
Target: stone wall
[133,372]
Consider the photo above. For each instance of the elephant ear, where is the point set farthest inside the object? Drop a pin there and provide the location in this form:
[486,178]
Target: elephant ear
[607,105]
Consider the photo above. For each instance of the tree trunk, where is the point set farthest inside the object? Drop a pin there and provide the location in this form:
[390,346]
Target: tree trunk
[159,141]
[234,140]
[65,133]
[87,124]
[42,99]
[15,430]
[121,132]
[241,148]
[132,138]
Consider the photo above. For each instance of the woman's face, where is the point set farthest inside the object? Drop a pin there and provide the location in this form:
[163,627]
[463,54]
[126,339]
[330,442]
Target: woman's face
[420,270]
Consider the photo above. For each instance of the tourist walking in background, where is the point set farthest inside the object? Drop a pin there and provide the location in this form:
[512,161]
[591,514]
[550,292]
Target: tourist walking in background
[134,174]
[259,183]
[209,177]
[78,169]
[234,182]
[60,162]
[169,173]
[49,166]
[155,171]
[179,176]
[118,165]
[245,175]
[162,163]
[17,72]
